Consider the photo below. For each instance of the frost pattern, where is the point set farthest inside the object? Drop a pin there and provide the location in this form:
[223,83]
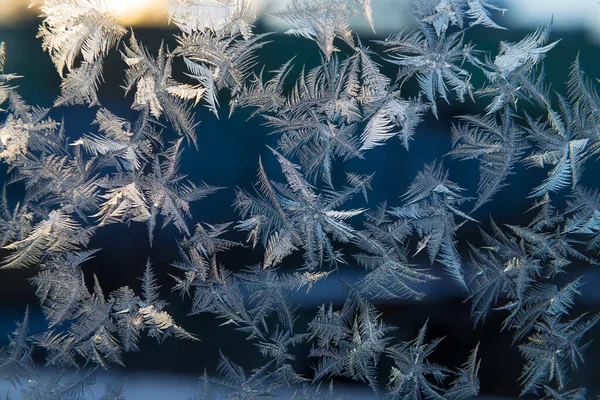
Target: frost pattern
[341,109]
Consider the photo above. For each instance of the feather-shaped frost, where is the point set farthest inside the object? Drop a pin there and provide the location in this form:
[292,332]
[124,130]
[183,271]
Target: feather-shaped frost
[498,147]
[466,383]
[561,145]
[412,373]
[394,117]
[528,51]
[443,14]
[5,88]
[514,75]
[123,204]
[349,342]
[169,193]
[552,350]
[584,216]
[307,218]
[77,27]
[198,15]
[27,129]
[390,274]
[16,362]
[56,234]
[432,201]
[219,60]
[118,144]
[80,86]
[237,384]
[435,61]
[73,30]
[319,20]
[156,90]
[60,287]
[265,96]
[584,95]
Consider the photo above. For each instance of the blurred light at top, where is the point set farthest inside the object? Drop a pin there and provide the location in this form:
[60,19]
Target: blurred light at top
[139,12]
[154,13]
[387,14]
[129,12]
[566,14]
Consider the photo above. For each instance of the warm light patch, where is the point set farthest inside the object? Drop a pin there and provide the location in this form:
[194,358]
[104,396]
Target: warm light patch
[129,12]
[122,7]
[12,11]
[139,12]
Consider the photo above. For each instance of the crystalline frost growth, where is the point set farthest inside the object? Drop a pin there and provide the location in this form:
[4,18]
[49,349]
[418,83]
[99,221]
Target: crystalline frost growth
[73,29]
[344,107]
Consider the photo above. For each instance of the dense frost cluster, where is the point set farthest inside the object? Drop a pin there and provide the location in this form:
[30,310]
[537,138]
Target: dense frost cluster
[128,172]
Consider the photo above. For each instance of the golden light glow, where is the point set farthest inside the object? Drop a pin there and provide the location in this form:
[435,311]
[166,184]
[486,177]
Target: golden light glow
[139,12]
[129,12]
[12,11]
[121,7]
